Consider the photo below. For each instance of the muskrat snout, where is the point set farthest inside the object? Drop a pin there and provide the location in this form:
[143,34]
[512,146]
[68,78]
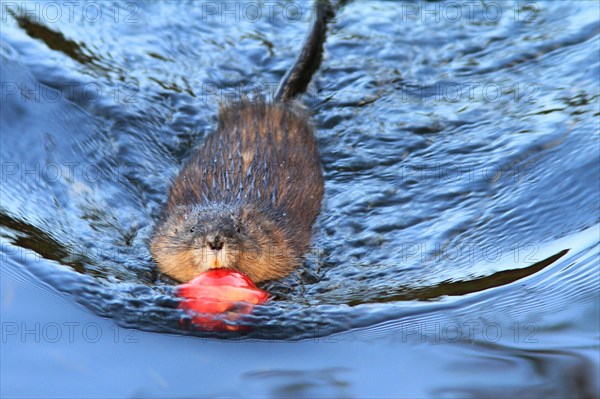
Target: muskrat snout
[214,242]
[244,239]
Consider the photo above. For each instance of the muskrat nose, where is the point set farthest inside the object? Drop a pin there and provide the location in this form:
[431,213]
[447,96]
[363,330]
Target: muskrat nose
[214,242]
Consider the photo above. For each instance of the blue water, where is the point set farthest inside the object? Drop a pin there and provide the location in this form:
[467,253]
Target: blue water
[456,254]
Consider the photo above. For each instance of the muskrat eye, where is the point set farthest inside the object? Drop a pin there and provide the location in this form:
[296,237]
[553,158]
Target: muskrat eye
[237,228]
[192,229]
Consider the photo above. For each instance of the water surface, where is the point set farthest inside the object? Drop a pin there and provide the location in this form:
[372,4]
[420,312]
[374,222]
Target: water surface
[458,239]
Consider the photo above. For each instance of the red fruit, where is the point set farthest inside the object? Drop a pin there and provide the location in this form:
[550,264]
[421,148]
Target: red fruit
[217,296]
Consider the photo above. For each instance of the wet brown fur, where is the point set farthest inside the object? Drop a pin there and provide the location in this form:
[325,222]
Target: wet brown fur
[248,197]
[258,181]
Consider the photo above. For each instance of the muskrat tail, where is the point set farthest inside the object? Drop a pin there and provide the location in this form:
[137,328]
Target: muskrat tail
[299,75]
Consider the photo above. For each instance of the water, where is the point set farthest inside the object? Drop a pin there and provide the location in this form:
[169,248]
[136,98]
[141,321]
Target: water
[459,234]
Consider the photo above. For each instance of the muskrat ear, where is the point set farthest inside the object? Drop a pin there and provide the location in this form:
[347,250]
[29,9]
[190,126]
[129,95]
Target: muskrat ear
[246,213]
[181,213]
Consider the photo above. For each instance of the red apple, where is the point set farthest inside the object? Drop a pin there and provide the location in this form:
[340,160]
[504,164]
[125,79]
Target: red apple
[217,296]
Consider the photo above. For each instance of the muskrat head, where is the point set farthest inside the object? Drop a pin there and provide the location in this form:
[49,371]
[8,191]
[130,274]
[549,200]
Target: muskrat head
[193,240]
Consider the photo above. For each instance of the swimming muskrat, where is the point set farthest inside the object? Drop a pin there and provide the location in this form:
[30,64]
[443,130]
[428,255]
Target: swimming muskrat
[247,199]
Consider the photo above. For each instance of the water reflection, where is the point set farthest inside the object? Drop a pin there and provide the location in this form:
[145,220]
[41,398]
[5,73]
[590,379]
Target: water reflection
[322,383]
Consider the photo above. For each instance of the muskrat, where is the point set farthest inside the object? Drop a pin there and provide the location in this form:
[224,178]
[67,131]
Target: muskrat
[247,199]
